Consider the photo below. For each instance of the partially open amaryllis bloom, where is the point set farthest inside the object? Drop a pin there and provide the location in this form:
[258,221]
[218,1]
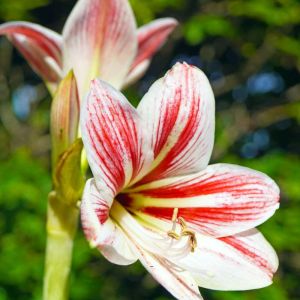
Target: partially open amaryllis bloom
[155,198]
[99,39]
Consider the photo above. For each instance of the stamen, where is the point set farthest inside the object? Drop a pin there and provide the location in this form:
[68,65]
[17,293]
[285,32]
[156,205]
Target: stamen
[175,214]
[174,235]
[174,218]
[185,231]
[182,223]
[193,241]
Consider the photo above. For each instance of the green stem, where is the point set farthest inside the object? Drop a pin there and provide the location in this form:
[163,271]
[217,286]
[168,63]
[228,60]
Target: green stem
[62,220]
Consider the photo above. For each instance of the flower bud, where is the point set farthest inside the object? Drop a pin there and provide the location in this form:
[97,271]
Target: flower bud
[64,116]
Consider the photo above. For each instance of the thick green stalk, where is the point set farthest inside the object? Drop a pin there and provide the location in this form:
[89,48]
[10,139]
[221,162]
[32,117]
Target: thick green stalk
[68,181]
[62,222]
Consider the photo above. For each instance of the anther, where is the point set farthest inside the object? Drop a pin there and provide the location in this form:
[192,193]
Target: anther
[193,242]
[174,235]
[185,231]
[182,223]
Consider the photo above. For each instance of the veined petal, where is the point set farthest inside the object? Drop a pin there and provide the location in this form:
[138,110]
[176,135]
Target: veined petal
[150,239]
[116,148]
[178,113]
[136,73]
[100,41]
[241,262]
[153,247]
[100,230]
[222,200]
[178,282]
[150,38]
[40,46]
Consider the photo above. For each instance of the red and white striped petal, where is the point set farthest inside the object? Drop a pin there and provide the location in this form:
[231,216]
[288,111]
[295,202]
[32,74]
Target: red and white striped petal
[176,281]
[151,37]
[179,114]
[222,200]
[116,147]
[153,239]
[100,230]
[153,249]
[136,73]
[242,262]
[40,46]
[100,41]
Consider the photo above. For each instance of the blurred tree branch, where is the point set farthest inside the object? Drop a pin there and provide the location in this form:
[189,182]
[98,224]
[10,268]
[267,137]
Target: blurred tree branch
[253,65]
[242,121]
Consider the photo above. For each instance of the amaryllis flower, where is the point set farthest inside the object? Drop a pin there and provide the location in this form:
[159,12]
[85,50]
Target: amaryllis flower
[99,38]
[155,198]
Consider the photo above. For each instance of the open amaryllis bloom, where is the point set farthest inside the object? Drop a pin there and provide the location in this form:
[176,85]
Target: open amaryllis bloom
[155,198]
[99,39]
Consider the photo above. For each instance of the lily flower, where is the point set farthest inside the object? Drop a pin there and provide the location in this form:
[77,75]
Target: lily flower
[154,198]
[99,39]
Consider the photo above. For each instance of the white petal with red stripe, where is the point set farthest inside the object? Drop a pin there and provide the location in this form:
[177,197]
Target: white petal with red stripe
[153,249]
[100,230]
[136,73]
[117,150]
[40,46]
[178,113]
[100,40]
[152,240]
[150,39]
[241,262]
[222,200]
[178,282]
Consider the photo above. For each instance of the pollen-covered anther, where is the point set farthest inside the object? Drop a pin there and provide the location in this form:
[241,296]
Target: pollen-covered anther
[185,231]
[174,235]
[193,239]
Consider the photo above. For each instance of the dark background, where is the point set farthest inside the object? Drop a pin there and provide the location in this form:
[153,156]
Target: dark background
[250,50]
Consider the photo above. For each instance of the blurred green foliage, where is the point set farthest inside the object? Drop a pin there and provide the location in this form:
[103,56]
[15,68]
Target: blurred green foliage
[10,10]
[251,52]
[198,27]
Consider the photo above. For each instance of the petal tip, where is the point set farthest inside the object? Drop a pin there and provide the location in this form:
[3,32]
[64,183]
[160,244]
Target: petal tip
[171,22]
[183,66]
